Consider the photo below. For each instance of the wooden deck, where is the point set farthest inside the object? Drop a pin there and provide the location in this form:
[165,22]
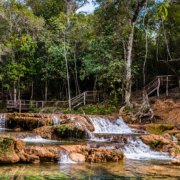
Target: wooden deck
[81,99]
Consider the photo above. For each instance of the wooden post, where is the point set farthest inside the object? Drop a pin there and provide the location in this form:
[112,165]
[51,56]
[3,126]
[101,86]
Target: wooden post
[159,82]
[36,104]
[19,106]
[84,98]
[167,85]
[42,104]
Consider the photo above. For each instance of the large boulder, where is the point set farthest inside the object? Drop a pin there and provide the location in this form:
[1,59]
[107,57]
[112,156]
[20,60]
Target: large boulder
[77,153]
[46,132]
[11,149]
[41,154]
[158,142]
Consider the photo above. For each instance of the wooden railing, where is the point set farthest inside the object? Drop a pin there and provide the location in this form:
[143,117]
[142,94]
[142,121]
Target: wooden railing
[75,101]
[165,80]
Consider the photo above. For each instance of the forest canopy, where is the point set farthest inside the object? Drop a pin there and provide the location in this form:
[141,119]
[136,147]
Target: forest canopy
[53,52]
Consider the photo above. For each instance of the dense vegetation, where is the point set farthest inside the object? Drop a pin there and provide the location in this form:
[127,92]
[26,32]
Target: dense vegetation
[47,49]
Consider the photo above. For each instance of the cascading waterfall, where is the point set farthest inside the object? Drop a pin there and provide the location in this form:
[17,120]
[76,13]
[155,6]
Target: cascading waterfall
[38,139]
[136,149]
[175,139]
[103,125]
[65,158]
[90,135]
[3,123]
[56,121]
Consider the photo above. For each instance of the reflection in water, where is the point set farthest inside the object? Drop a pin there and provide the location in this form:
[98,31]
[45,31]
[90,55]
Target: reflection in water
[128,169]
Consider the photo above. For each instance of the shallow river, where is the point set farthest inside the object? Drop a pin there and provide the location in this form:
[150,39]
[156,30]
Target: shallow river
[141,162]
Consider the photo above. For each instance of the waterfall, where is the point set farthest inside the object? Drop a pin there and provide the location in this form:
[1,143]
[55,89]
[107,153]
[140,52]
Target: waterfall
[56,120]
[175,139]
[3,123]
[136,149]
[90,135]
[103,125]
[38,139]
[65,158]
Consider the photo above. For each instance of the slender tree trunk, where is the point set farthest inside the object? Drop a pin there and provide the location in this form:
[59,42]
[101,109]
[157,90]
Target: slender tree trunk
[2,91]
[124,73]
[75,60]
[14,93]
[46,89]
[128,68]
[32,89]
[10,95]
[19,91]
[67,71]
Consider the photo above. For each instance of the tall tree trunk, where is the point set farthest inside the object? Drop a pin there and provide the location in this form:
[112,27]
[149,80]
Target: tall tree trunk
[75,60]
[67,71]
[46,89]
[32,89]
[19,91]
[128,68]
[129,53]
[10,95]
[14,93]
[124,73]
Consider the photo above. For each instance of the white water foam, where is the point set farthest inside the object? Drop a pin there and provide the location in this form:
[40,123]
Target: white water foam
[103,125]
[91,136]
[38,139]
[136,149]
[65,158]
[56,120]
[3,123]
[175,139]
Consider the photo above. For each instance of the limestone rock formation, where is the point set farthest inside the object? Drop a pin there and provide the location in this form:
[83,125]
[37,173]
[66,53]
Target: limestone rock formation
[163,143]
[105,155]
[158,142]
[11,149]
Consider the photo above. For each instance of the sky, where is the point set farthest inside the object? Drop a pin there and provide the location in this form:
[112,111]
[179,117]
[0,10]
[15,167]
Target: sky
[89,8]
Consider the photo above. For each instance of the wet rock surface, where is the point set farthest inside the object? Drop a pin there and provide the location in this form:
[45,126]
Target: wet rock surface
[14,150]
[11,149]
[105,155]
[162,143]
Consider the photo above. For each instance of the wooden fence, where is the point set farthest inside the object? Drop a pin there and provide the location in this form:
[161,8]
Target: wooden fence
[81,99]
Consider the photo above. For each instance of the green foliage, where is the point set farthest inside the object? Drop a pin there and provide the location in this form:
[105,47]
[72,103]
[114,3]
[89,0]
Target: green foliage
[49,123]
[58,108]
[31,104]
[155,143]
[158,128]
[37,110]
[5,144]
[37,38]
[15,113]
[63,128]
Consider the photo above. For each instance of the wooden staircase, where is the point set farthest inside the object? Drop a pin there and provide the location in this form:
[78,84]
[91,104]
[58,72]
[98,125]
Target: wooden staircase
[153,86]
[83,98]
[161,81]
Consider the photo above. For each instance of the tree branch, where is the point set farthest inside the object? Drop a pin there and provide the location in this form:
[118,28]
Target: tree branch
[140,5]
[176,1]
